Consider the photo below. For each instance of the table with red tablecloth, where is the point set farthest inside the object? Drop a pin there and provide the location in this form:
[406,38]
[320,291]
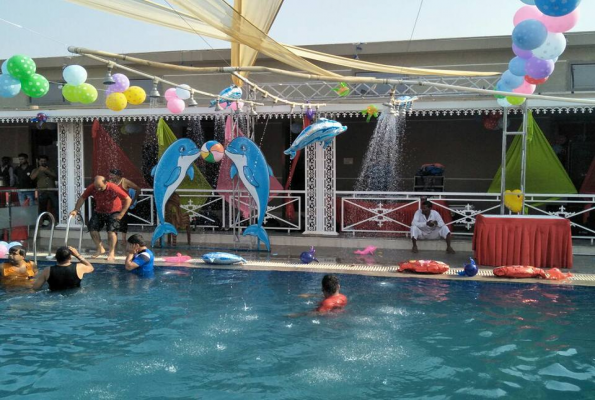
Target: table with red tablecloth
[361,210]
[538,241]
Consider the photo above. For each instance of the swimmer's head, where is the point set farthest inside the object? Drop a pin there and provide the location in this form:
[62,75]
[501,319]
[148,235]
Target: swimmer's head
[100,183]
[16,254]
[135,243]
[63,255]
[330,285]
[115,175]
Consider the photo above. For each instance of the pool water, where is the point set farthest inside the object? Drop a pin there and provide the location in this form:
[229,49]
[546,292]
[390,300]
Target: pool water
[225,334]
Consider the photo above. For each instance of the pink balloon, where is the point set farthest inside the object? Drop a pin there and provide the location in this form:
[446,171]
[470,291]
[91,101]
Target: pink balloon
[527,12]
[176,105]
[525,88]
[237,105]
[560,24]
[170,94]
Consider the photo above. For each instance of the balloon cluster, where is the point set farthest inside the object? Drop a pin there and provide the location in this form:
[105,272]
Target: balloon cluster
[76,90]
[175,98]
[538,40]
[18,73]
[40,119]
[120,93]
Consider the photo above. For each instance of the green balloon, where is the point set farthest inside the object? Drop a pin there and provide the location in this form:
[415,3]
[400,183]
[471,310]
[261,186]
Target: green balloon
[35,86]
[21,67]
[515,100]
[498,96]
[70,93]
[86,93]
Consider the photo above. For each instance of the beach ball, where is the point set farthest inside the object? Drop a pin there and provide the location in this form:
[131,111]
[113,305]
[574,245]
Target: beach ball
[135,95]
[20,67]
[70,93]
[116,102]
[212,151]
[9,86]
[74,74]
[86,93]
[35,86]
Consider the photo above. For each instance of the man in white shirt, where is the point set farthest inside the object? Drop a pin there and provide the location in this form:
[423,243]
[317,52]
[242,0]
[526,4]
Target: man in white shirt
[428,224]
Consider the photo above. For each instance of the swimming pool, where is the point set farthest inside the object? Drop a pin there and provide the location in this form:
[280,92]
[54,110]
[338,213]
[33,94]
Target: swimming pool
[225,334]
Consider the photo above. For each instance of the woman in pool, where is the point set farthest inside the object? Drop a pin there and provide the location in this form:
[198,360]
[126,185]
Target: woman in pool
[64,275]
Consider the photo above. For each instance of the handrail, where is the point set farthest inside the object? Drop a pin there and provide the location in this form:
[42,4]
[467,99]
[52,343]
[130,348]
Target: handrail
[68,231]
[53,221]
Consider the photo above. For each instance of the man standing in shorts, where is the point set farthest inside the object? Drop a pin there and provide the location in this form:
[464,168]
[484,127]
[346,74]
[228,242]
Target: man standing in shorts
[111,203]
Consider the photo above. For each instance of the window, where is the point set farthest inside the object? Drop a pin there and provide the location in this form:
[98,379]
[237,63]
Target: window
[583,77]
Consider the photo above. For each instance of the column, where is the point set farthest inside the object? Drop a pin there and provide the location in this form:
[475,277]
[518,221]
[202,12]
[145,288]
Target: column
[320,190]
[71,177]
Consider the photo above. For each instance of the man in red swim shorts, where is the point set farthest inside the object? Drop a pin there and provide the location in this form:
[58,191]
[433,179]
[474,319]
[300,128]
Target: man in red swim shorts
[332,298]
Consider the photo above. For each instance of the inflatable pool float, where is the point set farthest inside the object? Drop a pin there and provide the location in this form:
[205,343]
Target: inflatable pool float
[222,258]
[424,266]
[522,271]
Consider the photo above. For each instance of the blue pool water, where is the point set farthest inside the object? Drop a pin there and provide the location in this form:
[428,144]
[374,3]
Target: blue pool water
[222,334]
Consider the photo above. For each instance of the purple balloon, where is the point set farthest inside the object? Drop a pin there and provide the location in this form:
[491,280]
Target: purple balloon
[526,54]
[538,68]
[122,83]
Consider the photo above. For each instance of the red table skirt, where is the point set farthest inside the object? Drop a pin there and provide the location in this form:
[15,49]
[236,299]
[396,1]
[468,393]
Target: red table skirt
[356,213]
[537,242]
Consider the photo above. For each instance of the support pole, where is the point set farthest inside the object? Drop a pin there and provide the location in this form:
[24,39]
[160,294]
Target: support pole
[503,165]
[524,154]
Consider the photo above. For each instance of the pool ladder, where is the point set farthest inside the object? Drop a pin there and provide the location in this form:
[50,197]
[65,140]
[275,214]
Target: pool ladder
[53,225]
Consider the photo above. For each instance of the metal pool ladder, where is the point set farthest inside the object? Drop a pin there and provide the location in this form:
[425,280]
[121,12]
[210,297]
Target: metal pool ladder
[53,222]
[70,218]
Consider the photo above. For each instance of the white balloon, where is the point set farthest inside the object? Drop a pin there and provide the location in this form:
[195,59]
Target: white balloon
[504,103]
[552,48]
[184,93]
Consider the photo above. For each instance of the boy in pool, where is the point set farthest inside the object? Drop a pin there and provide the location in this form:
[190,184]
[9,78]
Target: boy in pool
[140,259]
[333,300]
[17,271]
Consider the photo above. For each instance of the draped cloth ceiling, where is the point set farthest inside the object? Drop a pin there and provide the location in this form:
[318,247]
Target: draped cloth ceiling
[246,26]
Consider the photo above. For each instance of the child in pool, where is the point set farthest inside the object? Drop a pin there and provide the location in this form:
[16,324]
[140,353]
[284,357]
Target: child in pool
[333,299]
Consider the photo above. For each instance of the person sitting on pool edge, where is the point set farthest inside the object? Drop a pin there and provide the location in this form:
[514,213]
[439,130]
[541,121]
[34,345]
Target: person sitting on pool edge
[64,275]
[17,271]
[140,259]
[428,224]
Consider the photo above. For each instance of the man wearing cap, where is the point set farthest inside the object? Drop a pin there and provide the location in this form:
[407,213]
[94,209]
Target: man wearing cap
[133,190]
[111,204]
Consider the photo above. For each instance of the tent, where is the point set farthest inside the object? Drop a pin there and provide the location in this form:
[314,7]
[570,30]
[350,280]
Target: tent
[544,174]
[166,137]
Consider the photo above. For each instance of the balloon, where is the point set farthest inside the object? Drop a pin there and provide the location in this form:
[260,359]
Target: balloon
[525,13]
[237,105]
[529,34]
[70,93]
[534,81]
[135,95]
[530,2]
[510,80]
[522,53]
[122,83]
[75,74]
[5,67]
[20,67]
[35,86]
[515,101]
[86,93]
[116,102]
[504,103]
[561,24]
[513,200]
[526,88]
[308,256]
[469,269]
[538,68]
[170,94]
[557,8]
[3,250]
[553,47]
[9,86]
[182,92]
[517,66]
[176,105]
[498,96]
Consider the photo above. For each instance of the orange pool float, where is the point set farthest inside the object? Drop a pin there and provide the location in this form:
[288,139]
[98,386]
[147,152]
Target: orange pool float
[522,271]
[424,266]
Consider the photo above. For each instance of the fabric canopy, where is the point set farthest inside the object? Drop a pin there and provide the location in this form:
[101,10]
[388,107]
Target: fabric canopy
[166,137]
[148,11]
[545,173]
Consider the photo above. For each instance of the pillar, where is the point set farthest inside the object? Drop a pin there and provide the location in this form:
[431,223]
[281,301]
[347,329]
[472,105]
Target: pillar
[321,198]
[71,174]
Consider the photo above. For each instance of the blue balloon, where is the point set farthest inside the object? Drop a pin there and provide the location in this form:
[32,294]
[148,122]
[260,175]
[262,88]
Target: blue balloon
[75,75]
[557,8]
[502,87]
[9,87]
[512,81]
[529,34]
[517,66]
[470,269]
[529,2]
[5,67]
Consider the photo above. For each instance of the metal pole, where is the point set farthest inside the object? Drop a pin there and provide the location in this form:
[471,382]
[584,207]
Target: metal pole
[524,153]
[503,168]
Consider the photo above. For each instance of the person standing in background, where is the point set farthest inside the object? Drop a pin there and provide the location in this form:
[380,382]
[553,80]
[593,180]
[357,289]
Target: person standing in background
[7,173]
[45,178]
[24,181]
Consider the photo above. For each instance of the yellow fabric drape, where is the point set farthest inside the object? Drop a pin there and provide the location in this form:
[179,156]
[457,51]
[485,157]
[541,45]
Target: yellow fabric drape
[148,11]
[262,14]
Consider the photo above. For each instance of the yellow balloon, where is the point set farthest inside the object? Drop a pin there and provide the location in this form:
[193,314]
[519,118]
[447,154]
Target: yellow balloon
[135,95]
[513,200]
[116,102]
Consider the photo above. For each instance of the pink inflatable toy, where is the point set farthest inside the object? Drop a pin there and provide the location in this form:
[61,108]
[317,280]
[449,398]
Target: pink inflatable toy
[179,259]
[367,250]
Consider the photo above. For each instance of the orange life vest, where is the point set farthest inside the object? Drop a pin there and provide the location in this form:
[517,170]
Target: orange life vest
[9,270]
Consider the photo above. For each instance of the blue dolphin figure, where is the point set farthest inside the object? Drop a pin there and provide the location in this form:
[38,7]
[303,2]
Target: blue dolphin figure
[324,130]
[167,175]
[252,168]
[222,258]
[232,92]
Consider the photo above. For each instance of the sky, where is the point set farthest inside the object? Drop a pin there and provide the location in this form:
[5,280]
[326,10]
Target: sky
[58,24]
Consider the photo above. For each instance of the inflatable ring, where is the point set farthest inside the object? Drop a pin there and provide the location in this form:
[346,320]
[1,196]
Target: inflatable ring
[424,266]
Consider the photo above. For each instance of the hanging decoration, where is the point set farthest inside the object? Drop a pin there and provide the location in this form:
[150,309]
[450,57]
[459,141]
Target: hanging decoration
[175,104]
[40,119]
[369,112]
[342,89]
[212,151]
[538,40]
[18,73]
[324,130]
[76,90]
[232,92]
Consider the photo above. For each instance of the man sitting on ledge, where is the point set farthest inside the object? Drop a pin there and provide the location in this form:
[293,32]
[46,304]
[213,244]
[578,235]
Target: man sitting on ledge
[428,224]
